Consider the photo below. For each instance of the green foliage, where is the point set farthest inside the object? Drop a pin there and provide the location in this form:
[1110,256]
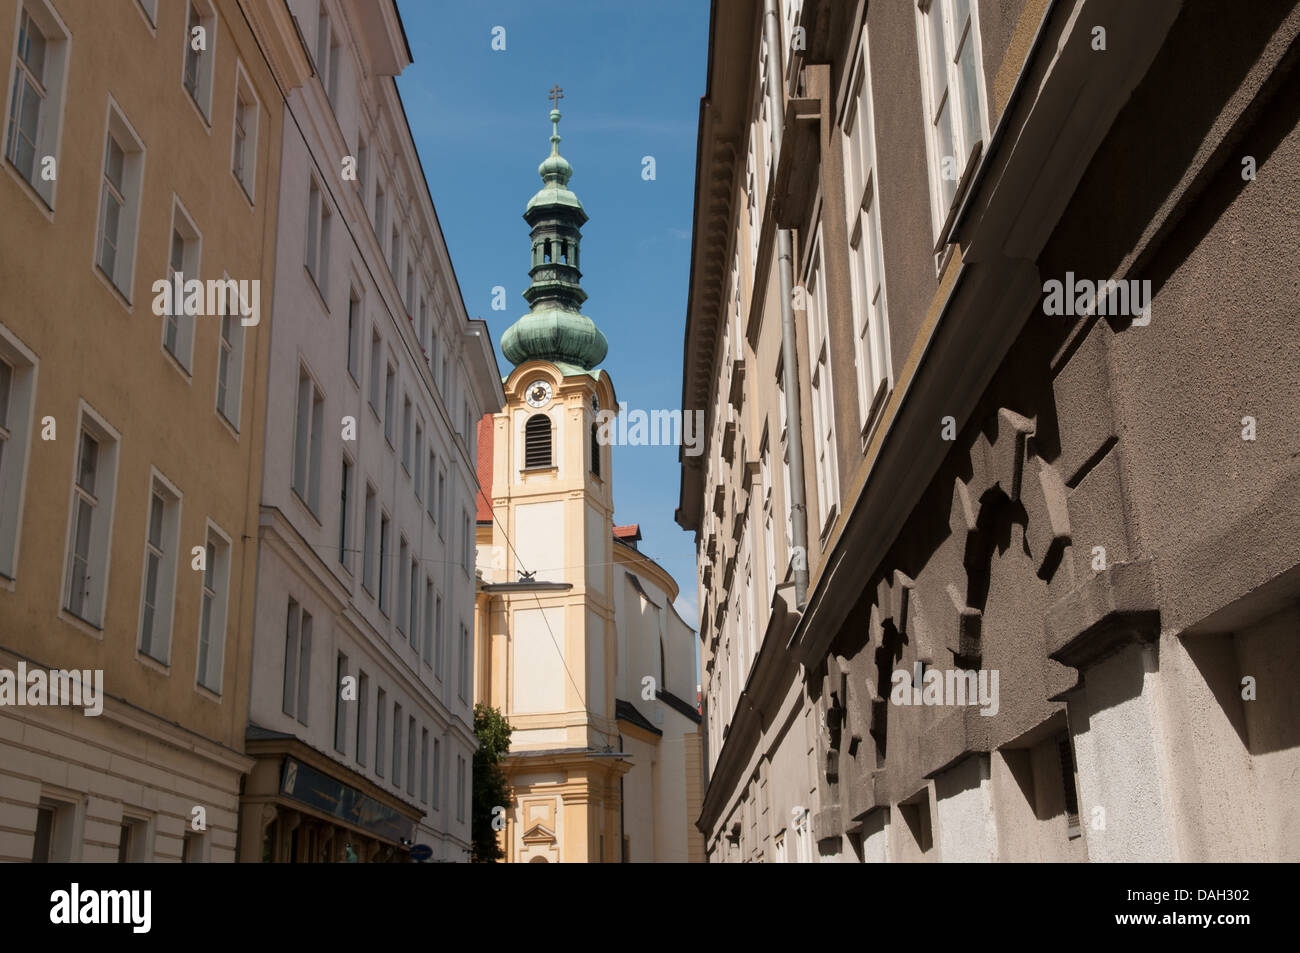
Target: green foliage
[490,787]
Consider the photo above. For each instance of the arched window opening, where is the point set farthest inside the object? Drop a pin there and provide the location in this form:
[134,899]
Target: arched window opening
[595,451]
[546,254]
[564,251]
[537,441]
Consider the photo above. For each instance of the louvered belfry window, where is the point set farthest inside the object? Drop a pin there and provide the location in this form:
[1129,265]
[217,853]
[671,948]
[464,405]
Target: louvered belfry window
[537,441]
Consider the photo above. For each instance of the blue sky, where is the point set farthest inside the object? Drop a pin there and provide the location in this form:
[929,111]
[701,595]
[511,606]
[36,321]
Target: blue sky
[632,74]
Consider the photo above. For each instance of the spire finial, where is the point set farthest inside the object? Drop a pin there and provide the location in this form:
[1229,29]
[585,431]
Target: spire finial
[555,95]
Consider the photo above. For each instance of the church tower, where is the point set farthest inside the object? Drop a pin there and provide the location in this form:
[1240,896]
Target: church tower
[546,638]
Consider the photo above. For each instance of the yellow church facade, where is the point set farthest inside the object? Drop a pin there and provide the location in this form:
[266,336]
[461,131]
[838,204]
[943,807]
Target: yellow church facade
[576,640]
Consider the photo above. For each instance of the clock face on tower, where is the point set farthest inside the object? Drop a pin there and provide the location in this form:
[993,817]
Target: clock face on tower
[539,393]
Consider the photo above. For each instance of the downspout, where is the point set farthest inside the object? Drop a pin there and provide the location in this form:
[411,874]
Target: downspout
[789,351]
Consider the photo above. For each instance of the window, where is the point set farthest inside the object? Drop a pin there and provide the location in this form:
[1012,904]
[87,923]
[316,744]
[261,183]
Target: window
[200,40]
[595,450]
[368,544]
[133,845]
[765,502]
[953,94]
[437,639]
[442,500]
[424,325]
[182,265]
[437,773]
[410,288]
[150,10]
[402,594]
[431,496]
[17,393]
[406,434]
[345,516]
[297,662]
[213,609]
[1066,754]
[230,369]
[363,165]
[785,457]
[410,755]
[418,458]
[428,621]
[340,719]
[397,745]
[822,395]
[376,362]
[460,787]
[413,629]
[327,57]
[119,202]
[424,765]
[318,238]
[383,563]
[354,335]
[55,829]
[363,709]
[89,518]
[381,714]
[537,441]
[868,278]
[390,395]
[380,211]
[395,252]
[243,147]
[193,848]
[308,428]
[36,98]
[466,544]
[463,684]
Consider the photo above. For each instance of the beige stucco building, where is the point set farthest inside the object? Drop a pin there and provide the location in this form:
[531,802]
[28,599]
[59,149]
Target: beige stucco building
[974,464]
[578,643]
[140,139]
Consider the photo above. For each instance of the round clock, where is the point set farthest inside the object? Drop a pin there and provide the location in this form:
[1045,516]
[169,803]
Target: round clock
[539,394]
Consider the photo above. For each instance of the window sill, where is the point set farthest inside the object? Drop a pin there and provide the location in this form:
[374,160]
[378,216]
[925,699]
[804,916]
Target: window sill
[44,206]
[320,293]
[206,693]
[198,110]
[148,661]
[85,625]
[107,280]
[181,369]
[244,190]
[306,507]
[231,427]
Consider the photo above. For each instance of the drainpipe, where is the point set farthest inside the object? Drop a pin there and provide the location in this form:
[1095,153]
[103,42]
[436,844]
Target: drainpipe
[789,352]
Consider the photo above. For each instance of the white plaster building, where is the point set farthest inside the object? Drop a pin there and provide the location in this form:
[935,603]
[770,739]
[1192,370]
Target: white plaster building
[365,567]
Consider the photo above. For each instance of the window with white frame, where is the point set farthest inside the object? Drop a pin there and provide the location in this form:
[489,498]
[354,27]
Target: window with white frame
[363,709]
[822,389]
[460,787]
[297,662]
[243,147]
[369,542]
[424,765]
[403,548]
[406,434]
[430,496]
[90,514]
[466,656]
[428,621]
[785,458]
[354,334]
[200,44]
[769,536]
[437,639]
[213,608]
[363,165]
[158,579]
[384,525]
[390,398]
[870,333]
[953,92]
[327,56]
[119,202]
[318,238]
[346,481]
[340,713]
[410,755]
[309,425]
[39,75]
[230,368]
[413,607]
[397,745]
[418,460]
[380,212]
[442,501]
[17,397]
[183,259]
[381,719]
[376,364]
[437,774]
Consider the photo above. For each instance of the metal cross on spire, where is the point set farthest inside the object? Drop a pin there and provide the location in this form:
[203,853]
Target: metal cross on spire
[555,95]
